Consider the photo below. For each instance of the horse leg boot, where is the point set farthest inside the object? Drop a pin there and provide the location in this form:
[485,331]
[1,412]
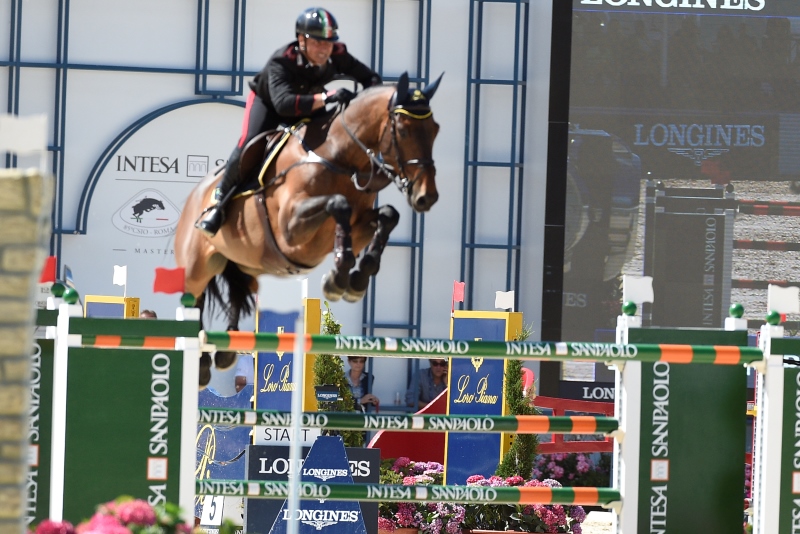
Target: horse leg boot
[370,263]
[336,282]
[213,216]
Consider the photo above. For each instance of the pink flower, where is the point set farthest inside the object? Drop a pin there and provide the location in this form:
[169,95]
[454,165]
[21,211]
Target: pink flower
[102,524]
[55,527]
[385,524]
[137,511]
[516,480]
[496,481]
[474,478]
[409,481]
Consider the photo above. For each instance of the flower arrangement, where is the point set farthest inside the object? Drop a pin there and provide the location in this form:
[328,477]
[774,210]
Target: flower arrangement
[433,518]
[522,518]
[574,469]
[125,515]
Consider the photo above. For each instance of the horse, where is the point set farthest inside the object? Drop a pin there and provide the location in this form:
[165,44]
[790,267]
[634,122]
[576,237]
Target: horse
[315,195]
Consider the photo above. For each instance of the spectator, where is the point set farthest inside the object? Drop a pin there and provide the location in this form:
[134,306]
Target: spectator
[432,381]
[148,314]
[245,369]
[360,383]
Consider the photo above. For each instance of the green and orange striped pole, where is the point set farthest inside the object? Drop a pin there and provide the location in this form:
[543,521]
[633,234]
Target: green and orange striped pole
[395,493]
[522,350]
[520,424]
[136,342]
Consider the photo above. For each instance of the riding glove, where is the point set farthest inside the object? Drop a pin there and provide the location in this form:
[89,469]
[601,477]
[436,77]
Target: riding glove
[341,95]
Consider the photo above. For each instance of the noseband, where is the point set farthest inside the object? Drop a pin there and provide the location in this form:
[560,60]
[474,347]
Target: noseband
[377,162]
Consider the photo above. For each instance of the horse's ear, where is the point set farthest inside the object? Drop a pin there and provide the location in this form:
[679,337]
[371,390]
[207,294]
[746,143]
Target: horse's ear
[430,89]
[401,92]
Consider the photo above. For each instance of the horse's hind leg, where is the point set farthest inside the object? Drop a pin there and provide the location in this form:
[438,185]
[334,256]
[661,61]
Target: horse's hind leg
[370,263]
[336,282]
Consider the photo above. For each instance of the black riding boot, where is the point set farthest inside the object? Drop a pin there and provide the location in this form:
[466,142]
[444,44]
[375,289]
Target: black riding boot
[212,217]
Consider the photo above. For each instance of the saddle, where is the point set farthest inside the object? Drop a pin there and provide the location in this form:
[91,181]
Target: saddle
[258,155]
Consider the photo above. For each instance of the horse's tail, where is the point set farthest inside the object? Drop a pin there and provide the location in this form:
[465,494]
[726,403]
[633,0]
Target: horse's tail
[240,299]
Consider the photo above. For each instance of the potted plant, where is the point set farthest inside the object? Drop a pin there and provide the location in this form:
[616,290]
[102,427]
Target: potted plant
[411,517]
[126,515]
[486,518]
[518,460]
[329,370]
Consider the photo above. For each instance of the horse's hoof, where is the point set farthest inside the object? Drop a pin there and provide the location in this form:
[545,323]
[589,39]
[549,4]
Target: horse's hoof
[205,371]
[331,291]
[225,360]
[353,296]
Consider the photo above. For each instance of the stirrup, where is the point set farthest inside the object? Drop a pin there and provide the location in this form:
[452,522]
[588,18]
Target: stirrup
[210,221]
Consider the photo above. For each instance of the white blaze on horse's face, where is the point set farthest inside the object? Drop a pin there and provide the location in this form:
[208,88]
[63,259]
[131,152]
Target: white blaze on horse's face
[415,138]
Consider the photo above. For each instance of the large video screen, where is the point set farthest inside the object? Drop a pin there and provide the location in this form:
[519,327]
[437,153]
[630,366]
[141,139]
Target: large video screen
[683,159]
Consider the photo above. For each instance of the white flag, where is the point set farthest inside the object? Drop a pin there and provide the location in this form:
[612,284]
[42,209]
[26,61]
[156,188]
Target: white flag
[23,135]
[120,275]
[783,299]
[504,300]
[637,289]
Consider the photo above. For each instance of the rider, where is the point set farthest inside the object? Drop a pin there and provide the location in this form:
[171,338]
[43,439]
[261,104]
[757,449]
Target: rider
[291,86]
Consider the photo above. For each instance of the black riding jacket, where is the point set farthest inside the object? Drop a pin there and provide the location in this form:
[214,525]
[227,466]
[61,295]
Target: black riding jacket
[288,82]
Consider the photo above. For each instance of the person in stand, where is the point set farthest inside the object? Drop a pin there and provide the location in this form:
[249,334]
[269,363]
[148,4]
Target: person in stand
[291,86]
[432,381]
[148,314]
[360,383]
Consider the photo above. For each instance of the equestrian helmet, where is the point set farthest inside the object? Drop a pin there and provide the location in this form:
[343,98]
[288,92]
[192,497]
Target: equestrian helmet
[317,23]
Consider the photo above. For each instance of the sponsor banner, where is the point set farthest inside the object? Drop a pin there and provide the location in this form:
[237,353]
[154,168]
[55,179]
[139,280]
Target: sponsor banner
[476,388]
[677,437]
[136,192]
[493,350]
[588,391]
[691,288]
[123,428]
[694,7]
[273,381]
[272,463]
[220,446]
[701,145]
[790,453]
[37,484]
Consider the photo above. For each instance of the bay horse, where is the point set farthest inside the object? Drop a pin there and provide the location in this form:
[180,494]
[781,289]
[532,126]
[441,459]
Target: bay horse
[315,196]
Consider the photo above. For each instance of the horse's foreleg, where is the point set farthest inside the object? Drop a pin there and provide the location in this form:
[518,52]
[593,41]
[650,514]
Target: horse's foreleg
[370,263]
[336,282]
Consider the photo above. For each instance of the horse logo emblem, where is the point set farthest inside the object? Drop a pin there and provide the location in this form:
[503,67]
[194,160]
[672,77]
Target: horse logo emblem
[319,524]
[147,214]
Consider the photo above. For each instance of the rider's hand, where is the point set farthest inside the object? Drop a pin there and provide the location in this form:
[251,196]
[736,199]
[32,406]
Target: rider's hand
[340,96]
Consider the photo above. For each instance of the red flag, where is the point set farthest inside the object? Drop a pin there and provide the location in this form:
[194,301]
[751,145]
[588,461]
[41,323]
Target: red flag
[169,280]
[458,294]
[48,270]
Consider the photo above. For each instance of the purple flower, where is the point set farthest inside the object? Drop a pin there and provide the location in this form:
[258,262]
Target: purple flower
[577,513]
[577,529]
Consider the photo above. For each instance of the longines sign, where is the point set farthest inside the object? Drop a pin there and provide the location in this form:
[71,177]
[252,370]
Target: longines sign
[750,5]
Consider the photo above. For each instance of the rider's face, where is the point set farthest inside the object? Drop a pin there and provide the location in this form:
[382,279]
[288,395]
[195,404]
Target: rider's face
[315,50]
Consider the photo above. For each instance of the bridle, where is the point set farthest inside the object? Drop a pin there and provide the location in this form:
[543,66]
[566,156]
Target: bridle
[377,162]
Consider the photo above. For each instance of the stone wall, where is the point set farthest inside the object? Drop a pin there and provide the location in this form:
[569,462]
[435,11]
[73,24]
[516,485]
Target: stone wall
[26,199]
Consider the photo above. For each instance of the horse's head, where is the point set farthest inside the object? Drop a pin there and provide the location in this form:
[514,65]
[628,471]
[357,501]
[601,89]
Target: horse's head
[412,133]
